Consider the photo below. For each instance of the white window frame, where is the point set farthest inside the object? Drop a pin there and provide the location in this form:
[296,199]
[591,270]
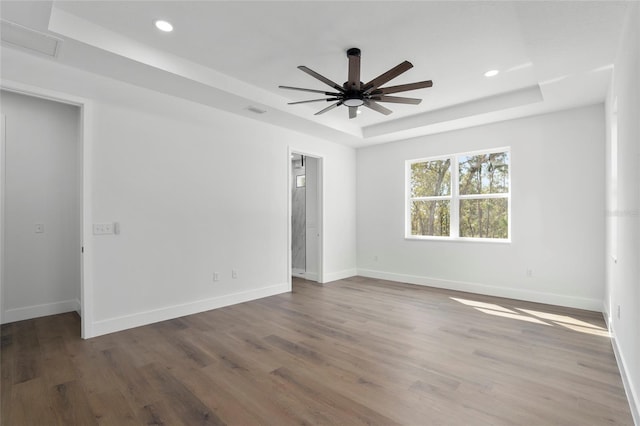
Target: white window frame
[454,198]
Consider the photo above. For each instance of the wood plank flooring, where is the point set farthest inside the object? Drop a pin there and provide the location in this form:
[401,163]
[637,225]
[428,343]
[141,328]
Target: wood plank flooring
[356,351]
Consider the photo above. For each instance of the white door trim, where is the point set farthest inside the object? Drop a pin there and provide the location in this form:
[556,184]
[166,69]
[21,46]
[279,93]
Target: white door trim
[3,179]
[86,144]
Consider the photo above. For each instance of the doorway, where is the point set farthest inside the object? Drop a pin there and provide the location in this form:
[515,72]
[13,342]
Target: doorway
[41,207]
[306,216]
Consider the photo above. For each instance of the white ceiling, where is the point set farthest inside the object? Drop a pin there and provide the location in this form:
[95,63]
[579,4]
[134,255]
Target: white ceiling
[233,54]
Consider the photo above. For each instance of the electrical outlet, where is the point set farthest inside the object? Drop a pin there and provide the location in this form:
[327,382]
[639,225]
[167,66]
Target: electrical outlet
[216,276]
[234,274]
[375,258]
[529,273]
[102,228]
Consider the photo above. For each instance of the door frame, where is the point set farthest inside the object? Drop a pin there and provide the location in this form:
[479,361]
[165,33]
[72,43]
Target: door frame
[86,144]
[3,179]
[320,206]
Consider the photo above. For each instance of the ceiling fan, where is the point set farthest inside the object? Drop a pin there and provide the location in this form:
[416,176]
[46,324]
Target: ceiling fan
[354,93]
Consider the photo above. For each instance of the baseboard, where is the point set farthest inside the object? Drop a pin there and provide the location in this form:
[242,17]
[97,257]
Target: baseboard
[301,273]
[606,314]
[36,311]
[125,322]
[630,390]
[511,293]
[311,276]
[632,395]
[339,275]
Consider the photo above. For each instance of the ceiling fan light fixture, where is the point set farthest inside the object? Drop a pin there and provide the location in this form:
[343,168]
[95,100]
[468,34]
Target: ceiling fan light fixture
[163,25]
[353,102]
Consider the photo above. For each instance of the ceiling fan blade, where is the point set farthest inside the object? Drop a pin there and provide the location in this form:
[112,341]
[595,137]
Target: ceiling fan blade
[313,100]
[396,99]
[389,75]
[322,78]
[377,107]
[353,112]
[354,68]
[402,87]
[309,90]
[329,108]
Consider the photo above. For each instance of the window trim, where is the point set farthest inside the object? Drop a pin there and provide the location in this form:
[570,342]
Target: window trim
[455,197]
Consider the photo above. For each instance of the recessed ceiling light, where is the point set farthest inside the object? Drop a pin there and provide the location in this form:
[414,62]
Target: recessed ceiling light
[491,73]
[163,26]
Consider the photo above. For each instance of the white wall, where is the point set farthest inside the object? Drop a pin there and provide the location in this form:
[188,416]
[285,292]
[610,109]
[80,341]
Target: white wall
[623,208]
[42,270]
[557,173]
[166,170]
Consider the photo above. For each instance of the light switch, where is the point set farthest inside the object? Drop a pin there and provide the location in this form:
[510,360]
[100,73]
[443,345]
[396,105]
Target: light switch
[39,228]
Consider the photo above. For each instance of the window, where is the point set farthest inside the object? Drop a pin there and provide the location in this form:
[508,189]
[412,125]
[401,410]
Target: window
[463,196]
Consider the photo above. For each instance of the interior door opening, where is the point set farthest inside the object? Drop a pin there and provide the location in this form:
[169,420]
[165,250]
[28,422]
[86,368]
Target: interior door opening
[306,217]
[41,252]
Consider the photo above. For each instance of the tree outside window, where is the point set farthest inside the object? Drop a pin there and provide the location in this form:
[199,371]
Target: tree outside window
[464,196]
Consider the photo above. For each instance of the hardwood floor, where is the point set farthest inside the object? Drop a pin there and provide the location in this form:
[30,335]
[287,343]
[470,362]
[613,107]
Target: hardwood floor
[357,351]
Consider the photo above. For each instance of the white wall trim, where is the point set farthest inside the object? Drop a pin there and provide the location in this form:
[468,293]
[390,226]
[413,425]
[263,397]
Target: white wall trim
[124,322]
[301,273]
[86,288]
[36,311]
[632,395]
[339,275]
[3,180]
[478,288]
[311,276]
[289,213]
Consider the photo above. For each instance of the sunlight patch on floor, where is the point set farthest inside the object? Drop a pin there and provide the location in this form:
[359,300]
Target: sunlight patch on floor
[564,319]
[537,317]
[517,316]
[484,305]
[589,330]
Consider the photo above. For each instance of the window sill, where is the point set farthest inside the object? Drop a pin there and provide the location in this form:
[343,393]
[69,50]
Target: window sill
[459,240]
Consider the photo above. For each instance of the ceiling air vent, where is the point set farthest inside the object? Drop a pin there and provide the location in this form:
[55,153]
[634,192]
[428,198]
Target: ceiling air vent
[256,110]
[33,41]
